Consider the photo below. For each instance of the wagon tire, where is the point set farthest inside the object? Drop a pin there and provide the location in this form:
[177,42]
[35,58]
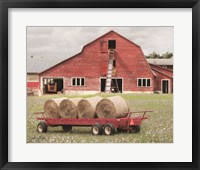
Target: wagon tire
[42,127]
[67,128]
[134,129]
[109,129]
[97,129]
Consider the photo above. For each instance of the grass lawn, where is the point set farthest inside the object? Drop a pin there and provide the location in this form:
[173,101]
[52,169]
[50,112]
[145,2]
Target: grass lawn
[157,129]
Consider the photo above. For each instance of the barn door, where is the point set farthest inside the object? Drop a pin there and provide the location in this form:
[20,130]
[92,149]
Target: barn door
[116,84]
[165,86]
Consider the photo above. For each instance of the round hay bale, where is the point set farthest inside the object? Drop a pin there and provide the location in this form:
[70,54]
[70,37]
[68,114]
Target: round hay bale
[86,107]
[68,108]
[51,107]
[112,107]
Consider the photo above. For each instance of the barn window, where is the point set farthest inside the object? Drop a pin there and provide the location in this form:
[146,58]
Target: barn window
[78,81]
[111,44]
[73,81]
[148,83]
[139,82]
[45,81]
[144,82]
[82,82]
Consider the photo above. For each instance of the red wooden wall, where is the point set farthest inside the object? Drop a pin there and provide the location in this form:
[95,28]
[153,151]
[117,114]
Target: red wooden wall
[162,74]
[32,85]
[92,63]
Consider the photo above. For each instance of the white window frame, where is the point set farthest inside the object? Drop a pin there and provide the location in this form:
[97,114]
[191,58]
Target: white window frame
[142,82]
[76,81]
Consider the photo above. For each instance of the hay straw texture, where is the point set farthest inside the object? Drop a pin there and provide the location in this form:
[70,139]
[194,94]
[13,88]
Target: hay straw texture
[112,107]
[68,108]
[86,107]
[51,107]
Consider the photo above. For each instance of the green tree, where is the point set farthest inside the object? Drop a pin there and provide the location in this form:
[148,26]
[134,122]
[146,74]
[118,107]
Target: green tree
[167,55]
[155,55]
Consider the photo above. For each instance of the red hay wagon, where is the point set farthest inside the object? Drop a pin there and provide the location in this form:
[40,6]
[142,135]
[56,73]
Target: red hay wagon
[108,126]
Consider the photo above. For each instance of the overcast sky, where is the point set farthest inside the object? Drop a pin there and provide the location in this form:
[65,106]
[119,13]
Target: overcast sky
[67,41]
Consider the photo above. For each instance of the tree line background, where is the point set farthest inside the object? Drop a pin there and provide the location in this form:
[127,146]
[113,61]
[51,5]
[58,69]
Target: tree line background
[155,55]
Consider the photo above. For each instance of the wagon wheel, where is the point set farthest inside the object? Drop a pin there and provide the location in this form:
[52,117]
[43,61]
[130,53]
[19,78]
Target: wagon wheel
[42,127]
[97,129]
[134,129]
[109,129]
[67,128]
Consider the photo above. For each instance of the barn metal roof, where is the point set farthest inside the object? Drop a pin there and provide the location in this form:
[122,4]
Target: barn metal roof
[39,64]
[160,61]
[89,44]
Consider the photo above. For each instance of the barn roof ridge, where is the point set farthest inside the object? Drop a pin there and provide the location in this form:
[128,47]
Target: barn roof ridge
[107,34]
[89,44]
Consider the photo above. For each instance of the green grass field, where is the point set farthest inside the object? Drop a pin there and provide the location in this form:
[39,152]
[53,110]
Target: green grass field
[157,129]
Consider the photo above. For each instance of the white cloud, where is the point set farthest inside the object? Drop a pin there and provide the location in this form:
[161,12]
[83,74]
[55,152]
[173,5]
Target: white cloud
[67,41]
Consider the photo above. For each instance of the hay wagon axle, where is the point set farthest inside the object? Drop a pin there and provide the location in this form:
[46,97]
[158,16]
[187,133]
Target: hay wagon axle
[108,126]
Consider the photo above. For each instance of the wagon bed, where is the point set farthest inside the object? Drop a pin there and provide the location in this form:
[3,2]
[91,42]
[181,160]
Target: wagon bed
[99,126]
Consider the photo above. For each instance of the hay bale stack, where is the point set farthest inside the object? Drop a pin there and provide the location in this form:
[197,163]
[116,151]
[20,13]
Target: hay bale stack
[86,107]
[112,107]
[68,108]
[51,107]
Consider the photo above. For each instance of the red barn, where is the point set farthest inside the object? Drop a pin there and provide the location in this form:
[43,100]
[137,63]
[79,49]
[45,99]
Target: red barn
[163,79]
[164,63]
[36,65]
[86,72]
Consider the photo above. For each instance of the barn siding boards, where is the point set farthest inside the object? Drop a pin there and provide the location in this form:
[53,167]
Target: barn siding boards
[90,84]
[32,83]
[159,79]
[92,62]
[162,74]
